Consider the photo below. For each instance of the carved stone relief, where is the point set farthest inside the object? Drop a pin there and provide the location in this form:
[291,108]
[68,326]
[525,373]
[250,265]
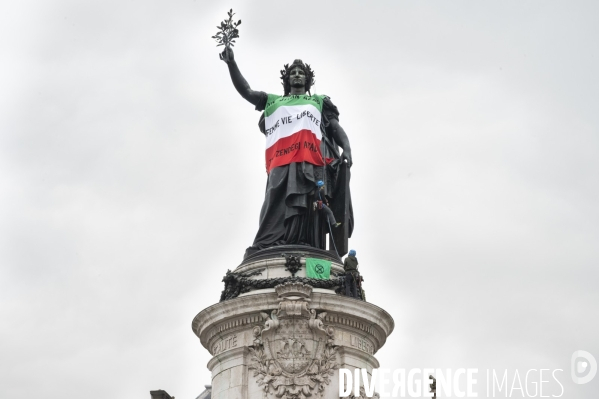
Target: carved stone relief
[293,263]
[293,355]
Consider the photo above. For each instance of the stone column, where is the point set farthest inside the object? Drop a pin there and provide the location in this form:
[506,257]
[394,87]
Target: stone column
[290,340]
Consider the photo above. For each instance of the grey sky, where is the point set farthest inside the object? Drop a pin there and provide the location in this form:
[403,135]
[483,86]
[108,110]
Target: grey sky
[132,175]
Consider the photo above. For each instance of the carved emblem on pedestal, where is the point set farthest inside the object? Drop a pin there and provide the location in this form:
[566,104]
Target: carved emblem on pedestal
[293,355]
[292,263]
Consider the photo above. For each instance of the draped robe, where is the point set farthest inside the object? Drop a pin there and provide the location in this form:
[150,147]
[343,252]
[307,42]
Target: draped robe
[287,215]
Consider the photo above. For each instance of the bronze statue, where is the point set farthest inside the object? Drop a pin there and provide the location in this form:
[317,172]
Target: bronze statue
[303,137]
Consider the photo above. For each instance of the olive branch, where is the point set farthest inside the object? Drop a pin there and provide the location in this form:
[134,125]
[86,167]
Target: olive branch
[228,31]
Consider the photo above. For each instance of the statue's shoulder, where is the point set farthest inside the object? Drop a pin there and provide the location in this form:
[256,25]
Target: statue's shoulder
[271,99]
[328,103]
[263,102]
[329,109]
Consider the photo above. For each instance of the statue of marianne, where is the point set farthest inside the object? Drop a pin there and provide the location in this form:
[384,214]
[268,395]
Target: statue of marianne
[303,137]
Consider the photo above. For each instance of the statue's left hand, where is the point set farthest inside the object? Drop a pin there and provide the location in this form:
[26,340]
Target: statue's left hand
[347,157]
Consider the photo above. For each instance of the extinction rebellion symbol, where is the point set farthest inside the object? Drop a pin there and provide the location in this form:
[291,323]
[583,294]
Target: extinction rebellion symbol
[319,268]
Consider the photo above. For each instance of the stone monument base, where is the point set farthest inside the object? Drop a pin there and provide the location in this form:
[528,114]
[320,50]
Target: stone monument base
[287,340]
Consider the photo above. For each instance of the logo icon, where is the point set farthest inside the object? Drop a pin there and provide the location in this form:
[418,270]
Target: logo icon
[319,268]
[584,367]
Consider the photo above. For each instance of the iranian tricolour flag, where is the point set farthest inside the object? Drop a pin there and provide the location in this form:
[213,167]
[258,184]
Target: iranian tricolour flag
[292,126]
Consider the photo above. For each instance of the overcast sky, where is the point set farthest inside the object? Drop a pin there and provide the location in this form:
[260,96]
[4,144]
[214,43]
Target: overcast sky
[132,176]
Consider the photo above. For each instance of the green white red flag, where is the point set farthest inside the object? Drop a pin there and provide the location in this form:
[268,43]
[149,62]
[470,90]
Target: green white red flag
[292,127]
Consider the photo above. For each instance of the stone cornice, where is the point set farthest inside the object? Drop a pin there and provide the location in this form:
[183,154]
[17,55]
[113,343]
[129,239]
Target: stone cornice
[344,312]
[369,359]
[226,356]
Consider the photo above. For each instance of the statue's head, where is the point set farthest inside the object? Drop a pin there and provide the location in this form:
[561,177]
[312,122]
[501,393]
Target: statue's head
[288,72]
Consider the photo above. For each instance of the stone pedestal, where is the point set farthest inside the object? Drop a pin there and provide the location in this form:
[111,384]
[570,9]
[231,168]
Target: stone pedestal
[289,340]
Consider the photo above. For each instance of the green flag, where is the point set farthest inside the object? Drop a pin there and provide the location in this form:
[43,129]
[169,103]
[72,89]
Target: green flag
[318,268]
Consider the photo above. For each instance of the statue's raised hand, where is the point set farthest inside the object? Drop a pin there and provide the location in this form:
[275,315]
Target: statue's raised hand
[227,55]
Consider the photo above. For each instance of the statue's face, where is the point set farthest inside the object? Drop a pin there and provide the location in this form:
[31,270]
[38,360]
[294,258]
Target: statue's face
[297,77]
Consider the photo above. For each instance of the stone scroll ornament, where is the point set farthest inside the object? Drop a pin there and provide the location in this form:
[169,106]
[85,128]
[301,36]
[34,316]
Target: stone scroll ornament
[293,356]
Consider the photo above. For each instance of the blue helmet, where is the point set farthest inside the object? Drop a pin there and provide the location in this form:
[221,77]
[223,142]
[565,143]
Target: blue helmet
[320,183]
[352,252]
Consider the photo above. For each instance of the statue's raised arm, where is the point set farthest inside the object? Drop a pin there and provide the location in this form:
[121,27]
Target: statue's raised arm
[239,81]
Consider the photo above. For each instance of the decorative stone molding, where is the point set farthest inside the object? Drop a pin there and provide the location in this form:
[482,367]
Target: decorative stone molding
[292,289]
[243,314]
[238,322]
[353,323]
[236,284]
[293,355]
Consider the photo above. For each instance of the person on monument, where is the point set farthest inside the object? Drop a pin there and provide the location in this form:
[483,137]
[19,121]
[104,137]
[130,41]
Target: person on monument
[352,275]
[321,204]
[303,137]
